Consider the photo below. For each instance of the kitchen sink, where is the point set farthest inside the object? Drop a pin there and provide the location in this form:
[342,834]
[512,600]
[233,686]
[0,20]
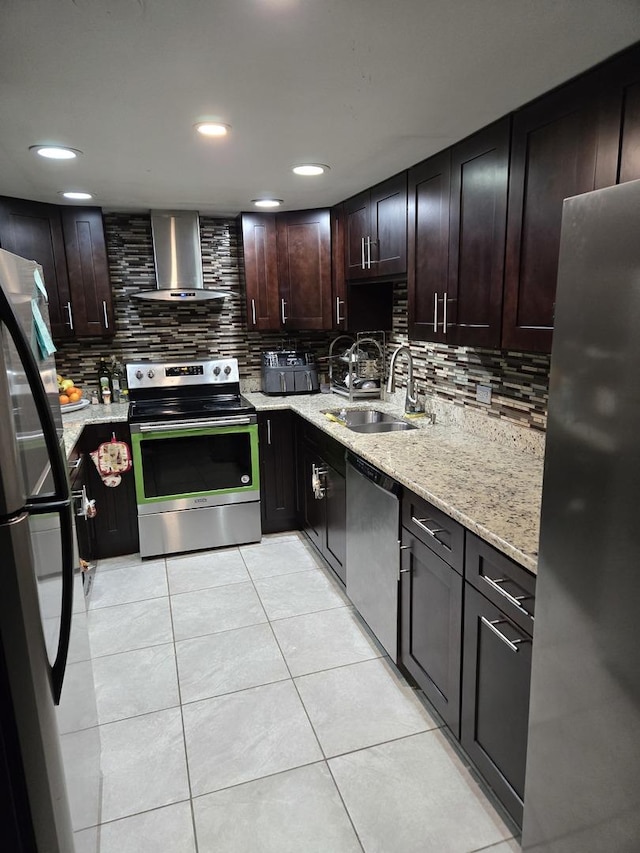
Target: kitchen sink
[370,420]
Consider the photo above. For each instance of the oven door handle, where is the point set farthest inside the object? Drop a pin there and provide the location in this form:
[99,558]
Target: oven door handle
[163,426]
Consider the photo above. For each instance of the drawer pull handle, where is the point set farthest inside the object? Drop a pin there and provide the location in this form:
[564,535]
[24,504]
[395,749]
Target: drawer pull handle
[515,600]
[513,644]
[421,522]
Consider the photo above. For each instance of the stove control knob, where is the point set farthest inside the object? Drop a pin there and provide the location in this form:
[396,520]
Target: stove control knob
[227,369]
[151,374]
[216,371]
[139,374]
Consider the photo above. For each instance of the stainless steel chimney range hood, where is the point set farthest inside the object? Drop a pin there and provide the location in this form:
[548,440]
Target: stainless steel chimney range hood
[178,259]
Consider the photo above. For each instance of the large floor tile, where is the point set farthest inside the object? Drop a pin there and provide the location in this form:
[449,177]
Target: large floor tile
[278,558]
[87,840]
[360,705]
[247,735]
[208,611]
[77,708]
[134,583]
[210,568]
[143,763]
[324,640]
[414,795]
[129,626]
[167,829]
[125,561]
[229,661]
[511,846]
[295,594]
[138,682]
[291,812]
[81,753]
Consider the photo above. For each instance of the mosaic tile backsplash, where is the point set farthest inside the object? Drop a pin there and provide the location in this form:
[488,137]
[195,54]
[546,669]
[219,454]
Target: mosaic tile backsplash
[519,381]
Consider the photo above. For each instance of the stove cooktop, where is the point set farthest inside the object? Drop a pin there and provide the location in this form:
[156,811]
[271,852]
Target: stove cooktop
[167,409]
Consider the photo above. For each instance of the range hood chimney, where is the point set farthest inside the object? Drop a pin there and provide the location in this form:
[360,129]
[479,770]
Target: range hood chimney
[178,259]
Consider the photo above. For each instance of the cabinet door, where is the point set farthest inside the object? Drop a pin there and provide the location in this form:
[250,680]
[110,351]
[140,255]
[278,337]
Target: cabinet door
[312,509]
[304,268]
[478,219]
[339,284]
[357,232]
[619,143]
[34,231]
[88,269]
[431,627]
[116,521]
[389,227]
[495,698]
[428,240]
[335,543]
[553,156]
[277,471]
[261,270]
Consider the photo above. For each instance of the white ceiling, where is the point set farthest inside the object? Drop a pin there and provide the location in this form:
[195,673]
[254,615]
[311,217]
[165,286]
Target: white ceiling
[367,86]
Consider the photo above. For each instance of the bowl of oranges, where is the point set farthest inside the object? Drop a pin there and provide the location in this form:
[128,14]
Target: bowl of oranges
[70,395]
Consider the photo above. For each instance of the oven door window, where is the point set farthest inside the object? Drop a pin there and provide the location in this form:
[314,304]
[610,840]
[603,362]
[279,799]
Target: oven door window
[191,463]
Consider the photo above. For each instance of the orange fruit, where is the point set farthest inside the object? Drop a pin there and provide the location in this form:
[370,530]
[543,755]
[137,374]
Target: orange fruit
[64,399]
[74,395]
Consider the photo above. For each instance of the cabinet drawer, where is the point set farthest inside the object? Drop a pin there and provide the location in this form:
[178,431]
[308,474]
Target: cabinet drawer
[434,528]
[505,583]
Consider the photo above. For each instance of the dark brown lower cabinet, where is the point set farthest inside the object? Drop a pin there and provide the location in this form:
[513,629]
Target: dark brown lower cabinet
[431,626]
[276,433]
[322,496]
[85,527]
[495,698]
[115,525]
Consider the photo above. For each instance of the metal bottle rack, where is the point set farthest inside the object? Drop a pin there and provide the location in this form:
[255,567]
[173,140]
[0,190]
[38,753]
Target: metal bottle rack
[358,371]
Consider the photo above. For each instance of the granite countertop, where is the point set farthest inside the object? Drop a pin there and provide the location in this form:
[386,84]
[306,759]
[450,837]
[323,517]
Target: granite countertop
[487,478]
[492,484]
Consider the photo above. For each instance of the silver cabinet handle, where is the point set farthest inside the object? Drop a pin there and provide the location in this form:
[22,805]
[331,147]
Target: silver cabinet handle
[368,253]
[70,313]
[444,313]
[491,625]
[515,600]
[75,464]
[104,311]
[253,311]
[435,312]
[283,305]
[268,430]
[362,252]
[422,525]
[339,319]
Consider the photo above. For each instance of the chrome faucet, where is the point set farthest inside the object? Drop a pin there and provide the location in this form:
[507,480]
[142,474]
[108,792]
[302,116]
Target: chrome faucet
[411,399]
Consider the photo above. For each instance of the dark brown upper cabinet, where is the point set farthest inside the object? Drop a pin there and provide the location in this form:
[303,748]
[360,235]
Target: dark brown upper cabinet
[261,271]
[70,245]
[471,312]
[553,156]
[619,144]
[376,231]
[287,270]
[428,241]
[304,269]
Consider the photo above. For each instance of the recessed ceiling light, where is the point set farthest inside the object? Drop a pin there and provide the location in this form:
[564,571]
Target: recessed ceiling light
[55,152]
[267,202]
[310,169]
[212,128]
[76,195]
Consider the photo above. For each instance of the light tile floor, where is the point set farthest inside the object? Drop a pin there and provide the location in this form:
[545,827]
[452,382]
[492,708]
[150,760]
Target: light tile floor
[244,708]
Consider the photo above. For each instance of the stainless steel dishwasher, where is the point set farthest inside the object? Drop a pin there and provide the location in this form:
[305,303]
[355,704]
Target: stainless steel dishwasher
[373,549]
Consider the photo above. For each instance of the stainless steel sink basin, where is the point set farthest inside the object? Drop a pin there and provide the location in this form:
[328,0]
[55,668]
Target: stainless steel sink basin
[370,420]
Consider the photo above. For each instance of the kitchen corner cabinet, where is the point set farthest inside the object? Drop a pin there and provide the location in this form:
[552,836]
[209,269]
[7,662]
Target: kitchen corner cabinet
[376,231]
[116,521]
[431,604]
[322,495]
[554,151]
[498,628]
[78,463]
[70,245]
[287,270]
[277,471]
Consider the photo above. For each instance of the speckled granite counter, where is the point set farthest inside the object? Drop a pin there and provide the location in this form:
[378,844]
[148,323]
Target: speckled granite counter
[73,422]
[487,478]
[492,484]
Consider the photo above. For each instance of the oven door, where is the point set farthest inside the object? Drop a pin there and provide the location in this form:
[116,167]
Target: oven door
[190,466]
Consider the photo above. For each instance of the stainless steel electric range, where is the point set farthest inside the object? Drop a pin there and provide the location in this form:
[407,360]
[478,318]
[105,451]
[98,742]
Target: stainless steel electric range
[195,456]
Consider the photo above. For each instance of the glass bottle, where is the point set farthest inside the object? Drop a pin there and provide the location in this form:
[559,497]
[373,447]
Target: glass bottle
[104,378]
[116,380]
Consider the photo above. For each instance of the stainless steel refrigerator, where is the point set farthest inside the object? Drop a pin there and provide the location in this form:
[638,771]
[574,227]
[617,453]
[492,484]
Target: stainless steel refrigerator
[582,791]
[49,738]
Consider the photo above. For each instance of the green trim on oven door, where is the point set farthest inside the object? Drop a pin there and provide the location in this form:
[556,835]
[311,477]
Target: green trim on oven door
[137,438]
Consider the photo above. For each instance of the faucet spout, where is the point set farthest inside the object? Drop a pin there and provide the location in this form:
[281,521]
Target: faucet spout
[412,398]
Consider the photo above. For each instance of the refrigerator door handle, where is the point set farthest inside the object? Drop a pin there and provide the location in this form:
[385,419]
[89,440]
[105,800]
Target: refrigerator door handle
[66,612]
